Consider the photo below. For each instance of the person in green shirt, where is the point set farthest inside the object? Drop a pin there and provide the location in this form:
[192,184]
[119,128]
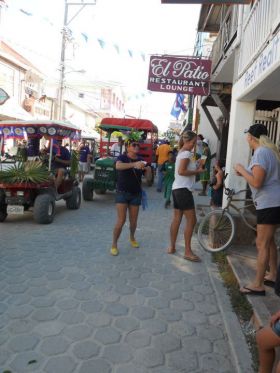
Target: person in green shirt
[205,176]
[168,169]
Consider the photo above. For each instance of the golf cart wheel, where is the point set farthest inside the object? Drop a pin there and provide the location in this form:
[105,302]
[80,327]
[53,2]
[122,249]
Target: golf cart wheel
[87,190]
[100,191]
[44,209]
[74,202]
[3,213]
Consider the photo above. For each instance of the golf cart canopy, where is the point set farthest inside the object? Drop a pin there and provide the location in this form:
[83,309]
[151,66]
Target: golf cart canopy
[125,124]
[38,128]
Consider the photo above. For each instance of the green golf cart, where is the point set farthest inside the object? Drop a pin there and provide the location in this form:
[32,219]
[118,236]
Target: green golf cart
[104,174]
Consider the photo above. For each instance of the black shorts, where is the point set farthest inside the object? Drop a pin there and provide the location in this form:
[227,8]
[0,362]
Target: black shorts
[269,216]
[183,199]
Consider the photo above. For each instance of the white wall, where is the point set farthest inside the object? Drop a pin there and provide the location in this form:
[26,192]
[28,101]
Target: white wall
[238,151]
[205,127]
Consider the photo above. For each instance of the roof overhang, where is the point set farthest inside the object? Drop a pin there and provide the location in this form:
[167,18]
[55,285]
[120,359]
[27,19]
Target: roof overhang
[209,18]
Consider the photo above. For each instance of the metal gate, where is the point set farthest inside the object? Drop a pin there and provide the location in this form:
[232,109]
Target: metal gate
[271,119]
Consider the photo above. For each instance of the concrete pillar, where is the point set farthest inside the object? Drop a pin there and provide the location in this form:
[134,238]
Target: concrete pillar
[241,117]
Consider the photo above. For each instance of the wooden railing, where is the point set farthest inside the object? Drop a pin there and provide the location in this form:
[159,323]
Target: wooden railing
[262,21]
[226,36]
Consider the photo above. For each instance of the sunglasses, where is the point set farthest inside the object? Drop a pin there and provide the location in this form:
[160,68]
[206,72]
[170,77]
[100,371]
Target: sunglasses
[134,144]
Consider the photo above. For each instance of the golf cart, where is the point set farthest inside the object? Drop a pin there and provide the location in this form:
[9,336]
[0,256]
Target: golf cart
[104,175]
[29,184]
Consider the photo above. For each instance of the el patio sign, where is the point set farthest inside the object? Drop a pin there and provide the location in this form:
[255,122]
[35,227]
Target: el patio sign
[175,74]
[214,2]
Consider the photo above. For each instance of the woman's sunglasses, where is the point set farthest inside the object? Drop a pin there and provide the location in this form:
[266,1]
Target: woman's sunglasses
[134,144]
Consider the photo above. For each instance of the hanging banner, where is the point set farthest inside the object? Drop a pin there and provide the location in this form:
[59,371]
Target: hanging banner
[214,2]
[174,74]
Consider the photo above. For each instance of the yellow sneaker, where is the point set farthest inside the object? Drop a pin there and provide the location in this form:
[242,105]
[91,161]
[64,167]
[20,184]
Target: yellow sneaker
[134,243]
[114,251]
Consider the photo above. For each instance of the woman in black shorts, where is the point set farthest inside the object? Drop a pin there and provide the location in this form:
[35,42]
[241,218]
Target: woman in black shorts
[186,168]
[263,177]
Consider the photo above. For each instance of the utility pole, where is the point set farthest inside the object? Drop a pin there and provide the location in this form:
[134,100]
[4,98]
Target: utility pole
[66,22]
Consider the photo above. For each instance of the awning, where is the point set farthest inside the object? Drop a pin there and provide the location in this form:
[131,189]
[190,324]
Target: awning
[12,110]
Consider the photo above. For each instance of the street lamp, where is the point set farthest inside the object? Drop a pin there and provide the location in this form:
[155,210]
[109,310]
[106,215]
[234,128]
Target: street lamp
[82,4]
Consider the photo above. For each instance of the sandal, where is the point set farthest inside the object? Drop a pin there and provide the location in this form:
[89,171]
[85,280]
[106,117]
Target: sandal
[134,243]
[192,258]
[269,283]
[248,291]
[114,251]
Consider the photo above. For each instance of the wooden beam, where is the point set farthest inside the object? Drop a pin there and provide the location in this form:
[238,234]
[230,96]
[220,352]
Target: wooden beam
[220,105]
[211,120]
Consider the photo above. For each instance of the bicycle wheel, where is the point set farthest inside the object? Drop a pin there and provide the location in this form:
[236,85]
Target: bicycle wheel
[216,231]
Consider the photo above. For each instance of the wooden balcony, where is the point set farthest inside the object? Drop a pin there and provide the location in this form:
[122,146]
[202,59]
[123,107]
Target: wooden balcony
[226,37]
[258,28]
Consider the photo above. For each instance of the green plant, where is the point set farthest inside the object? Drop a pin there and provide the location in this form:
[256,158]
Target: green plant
[74,163]
[134,135]
[25,172]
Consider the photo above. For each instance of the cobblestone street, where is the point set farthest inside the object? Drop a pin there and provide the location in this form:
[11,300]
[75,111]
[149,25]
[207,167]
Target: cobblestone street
[66,305]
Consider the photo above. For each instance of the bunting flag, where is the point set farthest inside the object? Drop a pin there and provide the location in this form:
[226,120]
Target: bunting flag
[143,56]
[25,12]
[101,43]
[117,48]
[84,36]
[69,33]
[178,105]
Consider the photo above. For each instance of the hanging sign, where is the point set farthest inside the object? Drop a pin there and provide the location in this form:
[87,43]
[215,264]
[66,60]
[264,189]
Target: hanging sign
[214,2]
[174,74]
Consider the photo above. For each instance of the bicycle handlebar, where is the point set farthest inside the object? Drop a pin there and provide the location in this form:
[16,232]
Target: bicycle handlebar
[231,192]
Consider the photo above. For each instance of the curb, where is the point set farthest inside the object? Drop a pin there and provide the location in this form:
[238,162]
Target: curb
[241,355]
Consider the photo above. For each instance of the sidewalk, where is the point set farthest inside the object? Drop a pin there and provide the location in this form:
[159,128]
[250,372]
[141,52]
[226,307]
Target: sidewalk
[242,259]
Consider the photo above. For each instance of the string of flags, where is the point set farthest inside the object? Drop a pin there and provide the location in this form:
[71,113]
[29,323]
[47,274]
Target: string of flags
[86,38]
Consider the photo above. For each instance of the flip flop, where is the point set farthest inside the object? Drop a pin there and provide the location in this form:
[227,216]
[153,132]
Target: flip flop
[192,258]
[171,251]
[252,291]
[134,243]
[269,283]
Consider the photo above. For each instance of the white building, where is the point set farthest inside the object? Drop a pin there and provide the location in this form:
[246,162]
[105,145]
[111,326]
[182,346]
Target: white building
[256,89]
[245,74]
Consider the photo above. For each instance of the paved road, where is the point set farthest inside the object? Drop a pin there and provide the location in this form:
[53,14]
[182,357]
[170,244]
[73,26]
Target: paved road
[66,305]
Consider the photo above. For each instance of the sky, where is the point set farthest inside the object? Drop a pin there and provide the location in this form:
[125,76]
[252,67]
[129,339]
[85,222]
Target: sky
[129,31]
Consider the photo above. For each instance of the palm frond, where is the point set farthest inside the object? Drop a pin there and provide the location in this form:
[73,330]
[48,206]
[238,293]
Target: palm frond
[25,172]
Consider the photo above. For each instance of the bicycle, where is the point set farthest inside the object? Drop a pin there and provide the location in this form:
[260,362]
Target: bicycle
[217,229]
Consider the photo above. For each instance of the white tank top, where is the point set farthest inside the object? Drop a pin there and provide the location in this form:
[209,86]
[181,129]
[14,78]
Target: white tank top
[184,181]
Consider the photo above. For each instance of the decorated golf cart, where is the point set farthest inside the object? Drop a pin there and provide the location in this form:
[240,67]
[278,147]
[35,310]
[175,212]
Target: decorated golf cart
[28,182]
[104,175]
